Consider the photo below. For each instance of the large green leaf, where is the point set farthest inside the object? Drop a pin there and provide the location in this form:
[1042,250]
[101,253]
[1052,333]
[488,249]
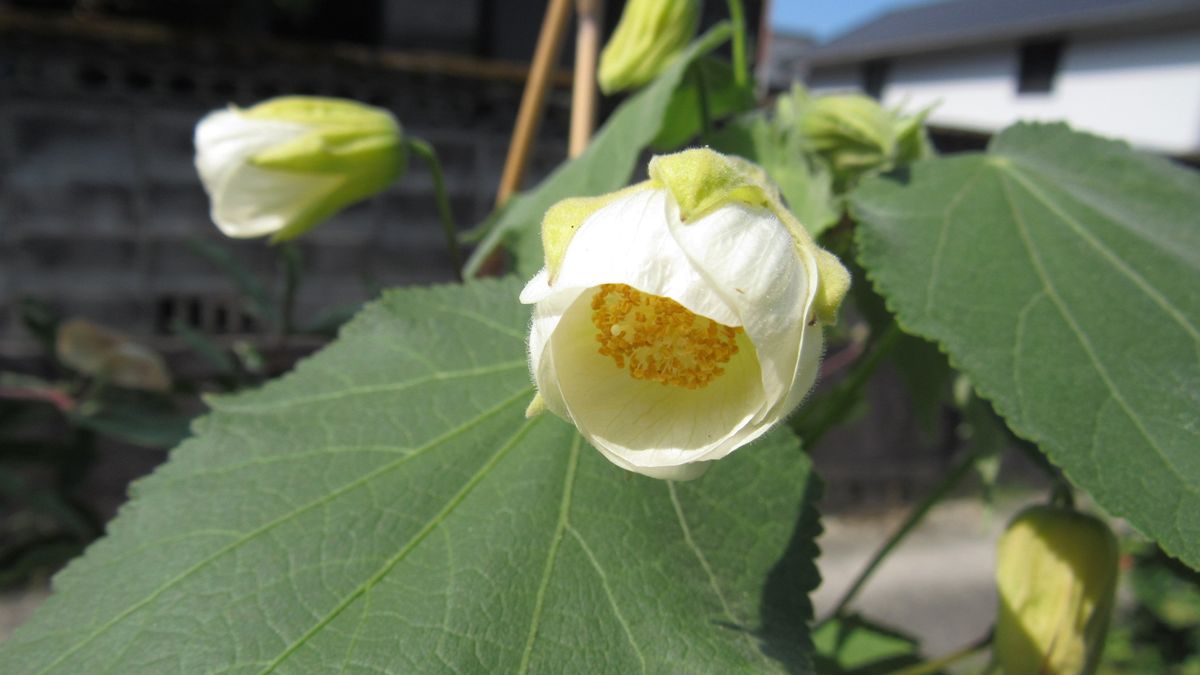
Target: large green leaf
[605,166]
[1061,272]
[388,508]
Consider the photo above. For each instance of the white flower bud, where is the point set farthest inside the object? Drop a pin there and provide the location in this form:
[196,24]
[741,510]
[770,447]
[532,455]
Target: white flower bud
[283,166]
[679,319]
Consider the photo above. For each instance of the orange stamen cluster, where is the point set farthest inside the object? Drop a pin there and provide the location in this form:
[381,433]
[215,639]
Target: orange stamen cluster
[658,339]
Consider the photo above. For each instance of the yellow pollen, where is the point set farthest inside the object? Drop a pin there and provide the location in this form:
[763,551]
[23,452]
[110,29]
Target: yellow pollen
[658,339]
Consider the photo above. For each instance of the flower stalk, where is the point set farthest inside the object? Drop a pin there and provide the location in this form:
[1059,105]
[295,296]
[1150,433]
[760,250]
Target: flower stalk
[947,484]
[426,152]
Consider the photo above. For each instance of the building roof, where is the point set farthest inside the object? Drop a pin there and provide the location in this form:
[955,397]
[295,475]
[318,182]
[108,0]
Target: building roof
[950,23]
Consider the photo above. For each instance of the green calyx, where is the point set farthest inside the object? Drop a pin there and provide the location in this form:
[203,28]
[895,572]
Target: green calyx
[564,218]
[854,134]
[360,147]
[700,181]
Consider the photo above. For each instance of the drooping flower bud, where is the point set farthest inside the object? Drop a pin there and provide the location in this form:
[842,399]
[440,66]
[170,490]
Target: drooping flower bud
[649,35]
[679,319]
[284,165]
[100,352]
[854,133]
[1056,575]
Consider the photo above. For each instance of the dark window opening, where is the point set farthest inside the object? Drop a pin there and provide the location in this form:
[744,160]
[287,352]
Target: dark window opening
[1039,66]
[874,77]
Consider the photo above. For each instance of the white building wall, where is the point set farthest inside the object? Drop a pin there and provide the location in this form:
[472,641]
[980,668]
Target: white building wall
[1143,89]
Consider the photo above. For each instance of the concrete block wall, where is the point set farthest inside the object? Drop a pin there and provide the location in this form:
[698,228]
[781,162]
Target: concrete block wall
[98,195]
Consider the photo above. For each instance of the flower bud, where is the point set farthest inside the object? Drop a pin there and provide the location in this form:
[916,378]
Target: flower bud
[650,34]
[283,166]
[100,352]
[680,318]
[854,133]
[1056,574]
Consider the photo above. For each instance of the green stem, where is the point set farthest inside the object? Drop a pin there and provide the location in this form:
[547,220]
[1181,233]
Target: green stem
[939,664]
[741,76]
[1062,494]
[702,94]
[427,153]
[827,412]
[948,483]
[290,252]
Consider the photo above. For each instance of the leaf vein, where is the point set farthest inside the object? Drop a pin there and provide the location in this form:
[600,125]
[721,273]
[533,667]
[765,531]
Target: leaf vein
[1120,265]
[1080,336]
[612,601]
[433,523]
[264,529]
[702,559]
[564,514]
[389,388]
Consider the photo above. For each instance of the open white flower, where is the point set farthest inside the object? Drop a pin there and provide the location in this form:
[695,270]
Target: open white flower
[284,165]
[679,319]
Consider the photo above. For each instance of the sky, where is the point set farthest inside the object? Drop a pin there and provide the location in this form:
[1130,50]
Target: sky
[827,19]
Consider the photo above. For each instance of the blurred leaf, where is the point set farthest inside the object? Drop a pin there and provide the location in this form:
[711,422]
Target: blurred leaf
[605,166]
[258,301]
[330,322]
[108,355]
[216,355]
[806,185]
[684,117]
[41,321]
[17,490]
[854,645]
[134,417]
[1059,271]
[387,507]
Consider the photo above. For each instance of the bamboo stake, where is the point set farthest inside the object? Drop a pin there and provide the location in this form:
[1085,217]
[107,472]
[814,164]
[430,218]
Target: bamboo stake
[583,94]
[533,101]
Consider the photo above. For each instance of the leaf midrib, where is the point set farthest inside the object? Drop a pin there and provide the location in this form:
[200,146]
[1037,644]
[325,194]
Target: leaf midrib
[263,529]
[1081,337]
[388,565]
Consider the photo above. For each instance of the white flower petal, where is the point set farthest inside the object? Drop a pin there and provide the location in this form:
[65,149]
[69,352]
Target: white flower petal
[649,424]
[628,242]
[749,258]
[248,201]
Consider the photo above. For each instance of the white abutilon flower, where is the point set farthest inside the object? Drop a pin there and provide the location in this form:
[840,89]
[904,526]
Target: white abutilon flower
[284,165]
[679,319]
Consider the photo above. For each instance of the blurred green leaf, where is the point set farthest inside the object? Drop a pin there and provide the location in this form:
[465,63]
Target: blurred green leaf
[258,301]
[208,348]
[854,645]
[720,95]
[806,185]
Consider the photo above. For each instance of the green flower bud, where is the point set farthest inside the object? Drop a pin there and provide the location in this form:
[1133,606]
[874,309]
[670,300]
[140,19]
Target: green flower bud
[650,34]
[283,166]
[855,134]
[1056,575]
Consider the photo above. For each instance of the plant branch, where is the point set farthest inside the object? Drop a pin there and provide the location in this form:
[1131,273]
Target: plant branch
[948,483]
[450,230]
[702,96]
[741,76]
[290,253]
[939,664]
